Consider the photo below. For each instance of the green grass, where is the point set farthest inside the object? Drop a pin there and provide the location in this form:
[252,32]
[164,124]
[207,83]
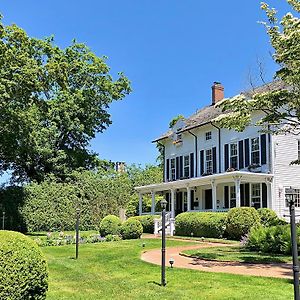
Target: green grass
[206,240]
[238,254]
[113,270]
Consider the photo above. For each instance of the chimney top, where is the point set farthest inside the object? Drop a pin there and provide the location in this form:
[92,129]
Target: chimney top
[217,92]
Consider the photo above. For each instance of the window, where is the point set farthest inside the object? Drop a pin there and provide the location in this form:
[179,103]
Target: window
[232,196]
[296,198]
[208,135]
[233,156]
[173,169]
[208,161]
[255,151]
[298,149]
[186,166]
[255,195]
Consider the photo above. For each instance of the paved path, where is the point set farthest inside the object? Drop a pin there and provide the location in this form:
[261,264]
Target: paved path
[279,270]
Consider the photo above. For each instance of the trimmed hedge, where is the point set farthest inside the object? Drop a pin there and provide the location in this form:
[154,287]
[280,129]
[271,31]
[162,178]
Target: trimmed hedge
[147,222]
[201,224]
[131,229]
[240,220]
[274,239]
[23,268]
[268,217]
[110,225]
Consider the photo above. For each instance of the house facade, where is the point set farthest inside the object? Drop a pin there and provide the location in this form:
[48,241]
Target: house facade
[208,168]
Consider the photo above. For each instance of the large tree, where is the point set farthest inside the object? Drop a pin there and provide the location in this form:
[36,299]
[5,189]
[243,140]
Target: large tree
[281,106]
[53,102]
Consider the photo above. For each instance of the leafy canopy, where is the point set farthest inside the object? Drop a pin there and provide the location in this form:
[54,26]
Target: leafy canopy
[280,106]
[53,102]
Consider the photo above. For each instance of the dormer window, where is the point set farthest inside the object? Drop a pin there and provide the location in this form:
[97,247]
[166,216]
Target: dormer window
[208,135]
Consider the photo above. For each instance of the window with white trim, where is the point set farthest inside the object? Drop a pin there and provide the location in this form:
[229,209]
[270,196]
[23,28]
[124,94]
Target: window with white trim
[173,169]
[296,198]
[208,135]
[208,161]
[255,195]
[232,196]
[255,151]
[186,166]
[234,156]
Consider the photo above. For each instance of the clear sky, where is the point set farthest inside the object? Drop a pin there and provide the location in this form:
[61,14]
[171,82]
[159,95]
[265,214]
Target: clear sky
[171,50]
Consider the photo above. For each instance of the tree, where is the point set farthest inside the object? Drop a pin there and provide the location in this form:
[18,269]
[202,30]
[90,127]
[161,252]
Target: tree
[280,106]
[53,102]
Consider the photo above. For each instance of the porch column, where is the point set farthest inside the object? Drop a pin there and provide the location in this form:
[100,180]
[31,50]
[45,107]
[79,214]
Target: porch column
[172,203]
[269,192]
[214,194]
[237,181]
[189,204]
[153,203]
[140,204]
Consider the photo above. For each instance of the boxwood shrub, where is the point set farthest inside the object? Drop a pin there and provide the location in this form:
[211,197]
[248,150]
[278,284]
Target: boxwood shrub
[240,220]
[147,222]
[23,268]
[110,225]
[268,217]
[131,229]
[201,224]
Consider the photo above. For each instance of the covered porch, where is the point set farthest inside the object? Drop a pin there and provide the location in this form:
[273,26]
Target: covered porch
[217,192]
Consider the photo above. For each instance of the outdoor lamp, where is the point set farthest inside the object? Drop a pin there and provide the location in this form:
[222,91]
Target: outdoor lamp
[163,204]
[289,194]
[171,261]
[143,245]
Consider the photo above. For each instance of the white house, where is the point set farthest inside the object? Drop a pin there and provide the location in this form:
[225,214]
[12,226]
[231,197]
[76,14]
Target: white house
[208,168]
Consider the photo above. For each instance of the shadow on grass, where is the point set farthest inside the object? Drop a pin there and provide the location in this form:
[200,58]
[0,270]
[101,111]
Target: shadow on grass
[154,282]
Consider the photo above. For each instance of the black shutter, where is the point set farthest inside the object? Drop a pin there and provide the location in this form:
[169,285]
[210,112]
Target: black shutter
[264,195]
[226,197]
[192,199]
[247,156]
[214,152]
[247,196]
[241,155]
[243,195]
[177,167]
[263,149]
[226,157]
[168,200]
[192,165]
[168,170]
[180,167]
[201,162]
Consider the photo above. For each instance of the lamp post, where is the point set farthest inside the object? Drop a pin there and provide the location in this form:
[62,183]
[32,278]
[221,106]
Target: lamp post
[163,204]
[77,230]
[290,198]
[3,220]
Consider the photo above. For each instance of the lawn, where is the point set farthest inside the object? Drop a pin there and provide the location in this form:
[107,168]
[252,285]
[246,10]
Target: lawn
[113,270]
[236,253]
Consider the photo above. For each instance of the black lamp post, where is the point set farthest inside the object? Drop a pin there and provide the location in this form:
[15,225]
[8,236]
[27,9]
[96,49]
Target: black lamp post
[290,198]
[77,230]
[163,204]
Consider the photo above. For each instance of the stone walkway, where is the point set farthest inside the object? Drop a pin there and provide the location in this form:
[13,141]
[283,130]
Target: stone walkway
[279,270]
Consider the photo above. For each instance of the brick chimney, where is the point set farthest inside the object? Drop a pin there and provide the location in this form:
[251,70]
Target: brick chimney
[217,92]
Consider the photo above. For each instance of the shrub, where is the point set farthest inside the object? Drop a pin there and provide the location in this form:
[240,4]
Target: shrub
[23,268]
[268,217]
[110,225]
[240,220]
[131,229]
[147,222]
[274,239]
[112,238]
[201,224]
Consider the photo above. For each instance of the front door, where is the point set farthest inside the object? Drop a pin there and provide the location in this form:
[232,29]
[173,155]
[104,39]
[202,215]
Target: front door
[178,207]
[208,199]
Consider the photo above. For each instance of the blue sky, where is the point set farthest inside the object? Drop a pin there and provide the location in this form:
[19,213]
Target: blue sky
[171,50]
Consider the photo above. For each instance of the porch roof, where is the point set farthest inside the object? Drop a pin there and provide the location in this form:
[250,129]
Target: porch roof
[198,181]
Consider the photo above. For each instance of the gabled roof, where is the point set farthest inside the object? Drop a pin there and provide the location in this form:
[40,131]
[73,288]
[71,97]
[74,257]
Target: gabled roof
[208,113]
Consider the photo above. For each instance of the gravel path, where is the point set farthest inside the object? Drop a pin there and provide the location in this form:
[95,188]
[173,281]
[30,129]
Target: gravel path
[279,270]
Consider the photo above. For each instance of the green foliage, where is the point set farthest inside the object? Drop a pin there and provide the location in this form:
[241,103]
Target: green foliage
[23,268]
[268,217]
[201,224]
[147,222]
[175,120]
[240,220]
[131,229]
[110,225]
[113,238]
[274,239]
[53,102]
[280,105]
